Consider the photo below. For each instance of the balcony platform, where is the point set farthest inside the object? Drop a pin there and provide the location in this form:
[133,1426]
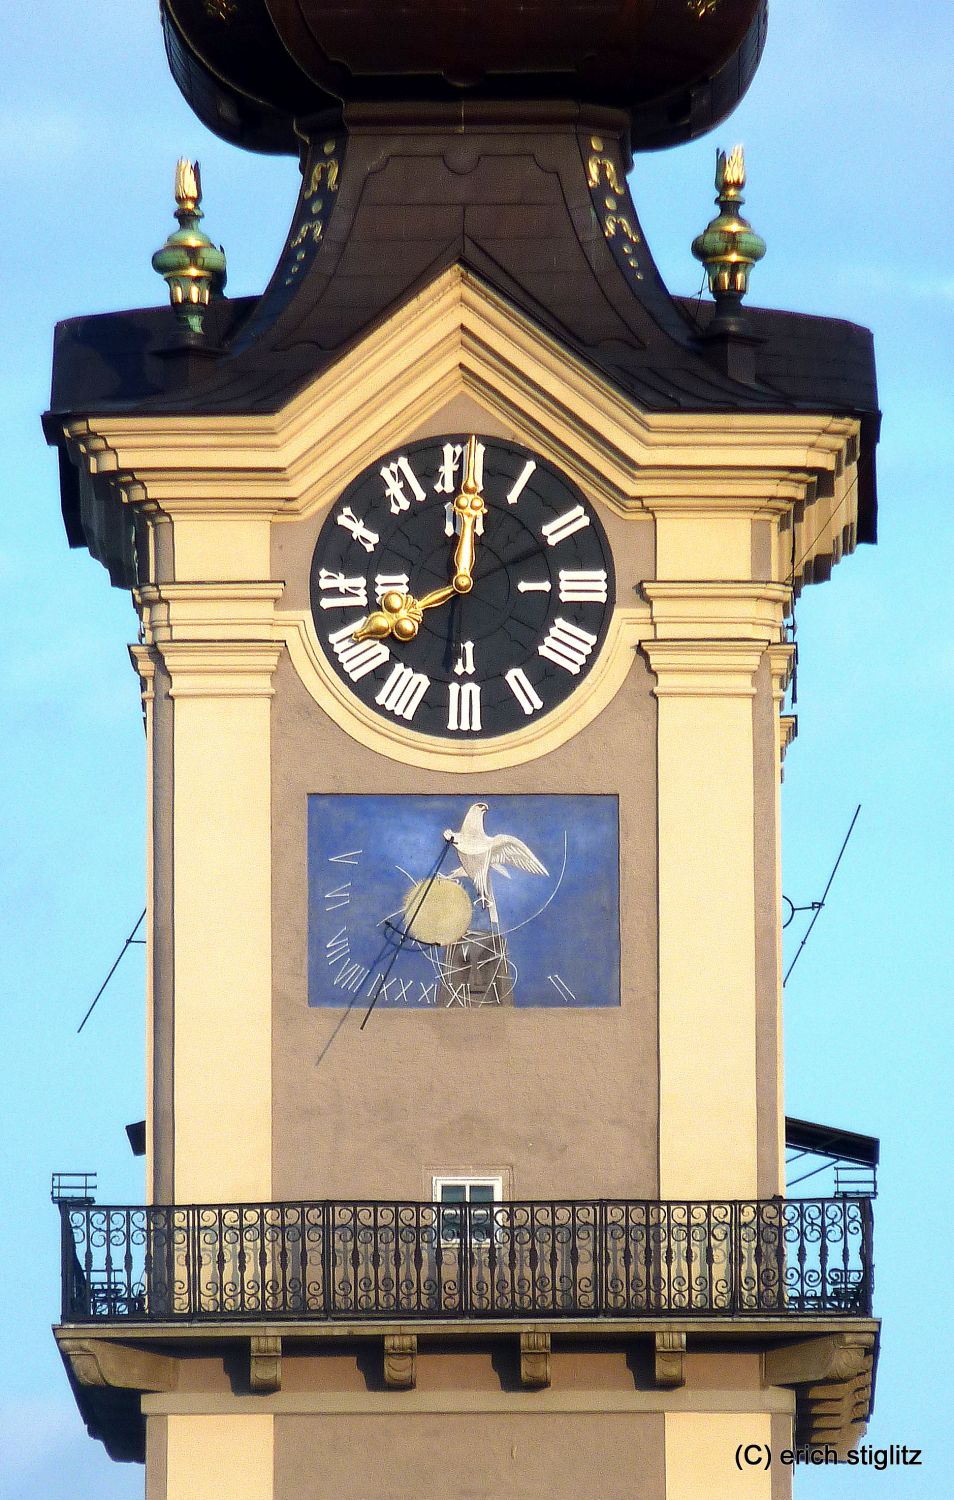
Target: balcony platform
[228,1307]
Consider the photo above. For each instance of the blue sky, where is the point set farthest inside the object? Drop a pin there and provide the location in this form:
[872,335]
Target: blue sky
[849,143]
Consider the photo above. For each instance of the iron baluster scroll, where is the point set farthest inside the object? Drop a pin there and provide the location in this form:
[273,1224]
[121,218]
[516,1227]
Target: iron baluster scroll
[558,1259]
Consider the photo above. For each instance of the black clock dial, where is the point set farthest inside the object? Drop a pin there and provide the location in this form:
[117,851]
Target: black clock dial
[488,661]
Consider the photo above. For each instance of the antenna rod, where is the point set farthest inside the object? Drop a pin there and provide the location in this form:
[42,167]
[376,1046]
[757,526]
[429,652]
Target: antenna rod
[131,939]
[821,903]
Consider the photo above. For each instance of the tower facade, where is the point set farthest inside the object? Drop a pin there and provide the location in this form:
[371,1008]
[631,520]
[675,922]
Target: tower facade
[463,557]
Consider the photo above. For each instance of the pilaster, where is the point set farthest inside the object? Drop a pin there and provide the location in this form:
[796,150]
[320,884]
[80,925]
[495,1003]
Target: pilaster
[220,1455]
[214,645]
[708,1124]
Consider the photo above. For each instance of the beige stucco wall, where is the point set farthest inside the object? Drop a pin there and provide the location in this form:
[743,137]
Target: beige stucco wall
[561,1101]
[493,1457]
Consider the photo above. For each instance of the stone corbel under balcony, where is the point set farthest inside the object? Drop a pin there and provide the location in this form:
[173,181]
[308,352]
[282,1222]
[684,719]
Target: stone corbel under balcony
[670,1360]
[400,1361]
[535,1359]
[832,1377]
[265,1363]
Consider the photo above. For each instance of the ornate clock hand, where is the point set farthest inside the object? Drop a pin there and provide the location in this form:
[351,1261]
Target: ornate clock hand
[469,506]
[400,614]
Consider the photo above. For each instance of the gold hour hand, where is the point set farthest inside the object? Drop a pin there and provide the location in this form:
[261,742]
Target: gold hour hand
[400,615]
[469,506]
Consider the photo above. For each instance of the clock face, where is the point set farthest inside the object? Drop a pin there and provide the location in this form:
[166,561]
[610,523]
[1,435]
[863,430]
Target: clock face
[470,622]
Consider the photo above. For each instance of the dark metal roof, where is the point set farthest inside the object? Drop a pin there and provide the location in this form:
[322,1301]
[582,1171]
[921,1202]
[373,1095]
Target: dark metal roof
[830,1141]
[252,72]
[532,207]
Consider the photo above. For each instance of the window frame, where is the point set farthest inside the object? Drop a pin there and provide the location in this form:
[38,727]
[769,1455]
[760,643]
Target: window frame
[446,1209]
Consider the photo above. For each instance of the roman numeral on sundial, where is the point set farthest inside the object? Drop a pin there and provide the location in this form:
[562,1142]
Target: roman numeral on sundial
[339,896]
[337,947]
[561,987]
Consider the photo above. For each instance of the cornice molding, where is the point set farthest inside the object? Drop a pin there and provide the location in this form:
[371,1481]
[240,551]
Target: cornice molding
[198,612]
[220,669]
[704,668]
[717,610]
[457,336]
[788,732]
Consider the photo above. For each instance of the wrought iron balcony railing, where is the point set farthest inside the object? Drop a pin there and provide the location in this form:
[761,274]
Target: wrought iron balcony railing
[599,1259]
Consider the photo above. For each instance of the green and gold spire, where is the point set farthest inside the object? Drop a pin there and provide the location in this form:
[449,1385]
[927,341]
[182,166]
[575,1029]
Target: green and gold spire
[191,266]
[729,247]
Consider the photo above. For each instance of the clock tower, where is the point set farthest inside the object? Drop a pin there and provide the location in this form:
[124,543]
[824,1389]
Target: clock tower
[463,557]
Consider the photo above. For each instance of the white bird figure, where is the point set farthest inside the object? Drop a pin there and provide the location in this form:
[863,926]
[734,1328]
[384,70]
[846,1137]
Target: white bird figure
[480,853]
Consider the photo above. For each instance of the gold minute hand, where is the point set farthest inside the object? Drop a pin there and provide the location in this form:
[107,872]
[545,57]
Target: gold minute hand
[401,614]
[469,506]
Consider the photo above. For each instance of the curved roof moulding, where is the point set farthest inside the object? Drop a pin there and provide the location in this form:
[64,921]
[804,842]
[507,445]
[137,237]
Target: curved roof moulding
[254,69]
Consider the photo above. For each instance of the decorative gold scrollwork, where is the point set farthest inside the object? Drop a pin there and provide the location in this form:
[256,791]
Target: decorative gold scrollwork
[311,232]
[616,222]
[324,174]
[330,166]
[598,165]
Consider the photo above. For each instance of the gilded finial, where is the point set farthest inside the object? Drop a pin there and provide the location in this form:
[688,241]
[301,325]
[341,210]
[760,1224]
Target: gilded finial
[729,247]
[191,266]
[188,189]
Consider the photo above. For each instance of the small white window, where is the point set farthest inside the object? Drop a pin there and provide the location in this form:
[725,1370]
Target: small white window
[454,1191]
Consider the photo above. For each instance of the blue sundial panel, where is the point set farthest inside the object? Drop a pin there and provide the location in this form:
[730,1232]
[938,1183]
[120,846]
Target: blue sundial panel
[431,902]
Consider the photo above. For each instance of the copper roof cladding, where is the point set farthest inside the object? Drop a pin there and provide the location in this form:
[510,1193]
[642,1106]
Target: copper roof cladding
[251,70]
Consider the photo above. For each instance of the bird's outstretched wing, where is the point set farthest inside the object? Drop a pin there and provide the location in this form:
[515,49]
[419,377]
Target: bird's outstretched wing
[507,849]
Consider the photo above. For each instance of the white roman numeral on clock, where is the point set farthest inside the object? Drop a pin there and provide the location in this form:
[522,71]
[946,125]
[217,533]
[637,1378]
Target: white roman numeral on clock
[445,483]
[403,691]
[396,475]
[463,706]
[521,482]
[339,592]
[357,658]
[452,521]
[523,690]
[464,665]
[567,645]
[384,583]
[583,586]
[368,539]
[563,526]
